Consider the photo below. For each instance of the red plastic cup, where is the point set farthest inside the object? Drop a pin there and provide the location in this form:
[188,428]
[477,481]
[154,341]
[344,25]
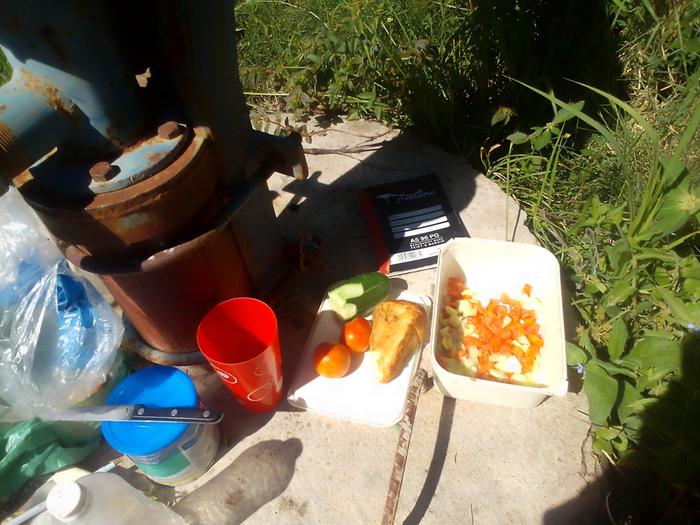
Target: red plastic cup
[239,338]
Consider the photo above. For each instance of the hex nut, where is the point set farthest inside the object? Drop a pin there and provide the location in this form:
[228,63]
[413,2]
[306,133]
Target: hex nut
[169,130]
[103,171]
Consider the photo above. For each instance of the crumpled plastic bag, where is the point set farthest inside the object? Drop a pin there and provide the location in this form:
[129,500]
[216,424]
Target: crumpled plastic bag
[35,448]
[58,335]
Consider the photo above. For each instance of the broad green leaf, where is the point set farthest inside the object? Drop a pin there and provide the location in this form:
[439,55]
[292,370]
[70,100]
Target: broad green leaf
[502,114]
[601,390]
[590,288]
[602,444]
[370,96]
[660,390]
[654,352]
[619,256]
[621,443]
[629,395]
[564,114]
[677,206]
[678,308]
[655,254]
[671,170]
[608,433]
[642,404]
[622,291]
[617,339]
[613,369]
[542,140]
[597,284]
[613,311]
[517,138]
[633,425]
[575,354]
[692,288]
[584,341]
[690,268]
[659,334]
[662,276]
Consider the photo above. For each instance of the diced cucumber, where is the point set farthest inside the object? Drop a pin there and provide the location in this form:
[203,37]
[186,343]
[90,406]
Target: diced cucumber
[358,295]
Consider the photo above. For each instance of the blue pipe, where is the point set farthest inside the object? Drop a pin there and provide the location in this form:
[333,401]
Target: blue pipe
[32,121]
[69,47]
[199,43]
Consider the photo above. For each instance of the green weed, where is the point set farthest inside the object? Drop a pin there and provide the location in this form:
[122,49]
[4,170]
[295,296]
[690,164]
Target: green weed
[626,229]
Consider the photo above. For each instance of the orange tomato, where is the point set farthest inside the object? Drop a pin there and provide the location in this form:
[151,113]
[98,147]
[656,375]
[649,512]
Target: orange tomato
[356,334]
[332,359]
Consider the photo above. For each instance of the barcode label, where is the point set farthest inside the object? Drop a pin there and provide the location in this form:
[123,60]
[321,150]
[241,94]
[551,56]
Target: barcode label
[414,255]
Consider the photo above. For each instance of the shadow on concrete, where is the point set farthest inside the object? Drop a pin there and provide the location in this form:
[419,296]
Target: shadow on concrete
[257,476]
[657,482]
[442,442]
[237,422]
[584,509]
[331,215]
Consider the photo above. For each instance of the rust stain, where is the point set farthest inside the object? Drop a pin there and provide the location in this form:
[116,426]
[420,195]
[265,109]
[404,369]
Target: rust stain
[49,34]
[112,134]
[7,138]
[154,158]
[142,218]
[52,94]
[22,179]
[3,107]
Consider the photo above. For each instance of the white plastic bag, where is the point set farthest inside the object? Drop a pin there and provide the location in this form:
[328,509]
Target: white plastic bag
[58,335]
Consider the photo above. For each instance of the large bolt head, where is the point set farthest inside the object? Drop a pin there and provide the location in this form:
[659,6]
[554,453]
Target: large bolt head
[169,130]
[103,171]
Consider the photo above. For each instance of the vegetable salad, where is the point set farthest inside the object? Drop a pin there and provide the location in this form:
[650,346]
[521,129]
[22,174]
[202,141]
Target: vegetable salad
[500,341]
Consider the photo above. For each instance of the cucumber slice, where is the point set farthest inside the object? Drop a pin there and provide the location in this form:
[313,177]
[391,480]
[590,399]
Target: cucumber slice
[358,295]
[345,310]
[347,291]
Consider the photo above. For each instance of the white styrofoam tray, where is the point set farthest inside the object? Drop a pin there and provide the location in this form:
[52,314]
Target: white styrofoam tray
[491,268]
[357,396]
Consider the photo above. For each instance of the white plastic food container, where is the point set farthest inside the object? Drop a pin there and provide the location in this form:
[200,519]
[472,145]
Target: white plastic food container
[491,268]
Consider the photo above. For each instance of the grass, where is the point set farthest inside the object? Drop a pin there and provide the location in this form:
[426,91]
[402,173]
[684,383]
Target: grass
[442,67]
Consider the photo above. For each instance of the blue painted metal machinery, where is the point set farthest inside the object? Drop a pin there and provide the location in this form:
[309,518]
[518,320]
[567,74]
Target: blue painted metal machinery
[124,126]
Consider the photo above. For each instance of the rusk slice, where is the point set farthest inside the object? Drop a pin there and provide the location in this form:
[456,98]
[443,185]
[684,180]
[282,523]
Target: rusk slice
[398,329]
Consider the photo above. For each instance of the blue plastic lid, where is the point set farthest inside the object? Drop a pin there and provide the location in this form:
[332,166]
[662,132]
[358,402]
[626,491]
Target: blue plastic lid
[156,387]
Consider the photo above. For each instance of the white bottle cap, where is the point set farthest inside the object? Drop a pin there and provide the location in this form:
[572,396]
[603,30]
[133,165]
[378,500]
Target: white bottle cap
[65,501]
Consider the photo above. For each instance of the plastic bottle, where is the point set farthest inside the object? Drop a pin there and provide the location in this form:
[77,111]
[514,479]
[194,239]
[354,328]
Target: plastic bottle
[103,499]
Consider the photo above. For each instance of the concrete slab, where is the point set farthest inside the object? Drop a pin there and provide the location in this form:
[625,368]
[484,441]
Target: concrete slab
[468,462]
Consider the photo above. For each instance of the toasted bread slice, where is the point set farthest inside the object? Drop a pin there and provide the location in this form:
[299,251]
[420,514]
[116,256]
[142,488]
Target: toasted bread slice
[398,330]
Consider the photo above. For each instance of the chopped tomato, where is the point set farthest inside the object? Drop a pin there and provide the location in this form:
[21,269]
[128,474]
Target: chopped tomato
[471,341]
[455,287]
[498,329]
